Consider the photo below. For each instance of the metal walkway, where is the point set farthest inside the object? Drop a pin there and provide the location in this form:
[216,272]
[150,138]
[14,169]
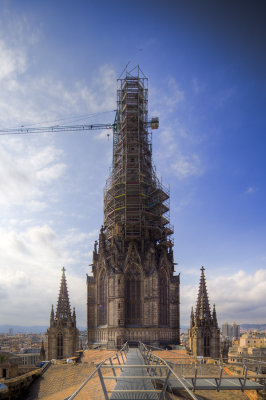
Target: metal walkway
[199,381]
[141,375]
[214,383]
[134,381]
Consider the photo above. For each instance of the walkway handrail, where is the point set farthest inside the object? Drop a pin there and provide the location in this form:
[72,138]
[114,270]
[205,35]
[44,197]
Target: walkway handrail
[124,348]
[46,366]
[144,347]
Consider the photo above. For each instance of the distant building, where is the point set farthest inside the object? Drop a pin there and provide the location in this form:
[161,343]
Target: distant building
[28,359]
[235,330]
[8,365]
[252,346]
[230,331]
[63,335]
[204,334]
[226,330]
[83,339]
[253,339]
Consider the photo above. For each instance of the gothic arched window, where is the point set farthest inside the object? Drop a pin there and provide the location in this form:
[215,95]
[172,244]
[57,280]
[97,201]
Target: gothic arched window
[163,303]
[206,346]
[60,345]
[102,299]
[133,296]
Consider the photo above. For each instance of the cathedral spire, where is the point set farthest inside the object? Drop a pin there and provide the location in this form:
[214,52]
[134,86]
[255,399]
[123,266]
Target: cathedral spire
[63,307]
[204,334]
[192,320]
[203,312]
[52,313]
[133,263]
[62,335]
[214,317]
[74,316]
[42,352]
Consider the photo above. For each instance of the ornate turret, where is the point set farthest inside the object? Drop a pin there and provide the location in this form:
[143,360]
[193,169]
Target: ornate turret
[52,314]
[63,311]
[74,316]
[204,335]
[192,318]
[214,317]
[63,336]
[203,312]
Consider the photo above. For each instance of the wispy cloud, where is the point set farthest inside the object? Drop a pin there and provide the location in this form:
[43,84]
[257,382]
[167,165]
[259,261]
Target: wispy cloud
[12,62]
[178,143]
[187,166]
[250,190]
[25,169]
[29,97]
[30,272]
[33,246]
[197,86]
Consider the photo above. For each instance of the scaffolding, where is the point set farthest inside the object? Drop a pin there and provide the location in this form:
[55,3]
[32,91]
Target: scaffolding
[136,204]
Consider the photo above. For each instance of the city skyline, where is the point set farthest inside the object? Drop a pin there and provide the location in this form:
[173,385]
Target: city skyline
[206,69]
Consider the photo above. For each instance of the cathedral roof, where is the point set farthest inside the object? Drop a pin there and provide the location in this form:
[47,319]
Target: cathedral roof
[63,310]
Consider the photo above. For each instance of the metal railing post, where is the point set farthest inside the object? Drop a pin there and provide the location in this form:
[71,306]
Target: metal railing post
[111,362]
[117,356]
[102,383]
[194,380]
[220,379]
[122,356]
[165,385]
[245,379]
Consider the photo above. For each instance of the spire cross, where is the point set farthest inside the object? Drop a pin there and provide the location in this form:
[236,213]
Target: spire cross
[202,269]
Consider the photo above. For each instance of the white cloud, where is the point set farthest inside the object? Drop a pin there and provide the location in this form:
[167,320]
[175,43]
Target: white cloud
[178,143]
[197,86]
[32,251]
[186,166]
[50,173]
[165,101]
[175,96]
[250,190]
[12,62]
[24,169]
[30,269]
[29,98]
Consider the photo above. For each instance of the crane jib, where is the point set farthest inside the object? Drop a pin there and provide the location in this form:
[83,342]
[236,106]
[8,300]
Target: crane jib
[154,124]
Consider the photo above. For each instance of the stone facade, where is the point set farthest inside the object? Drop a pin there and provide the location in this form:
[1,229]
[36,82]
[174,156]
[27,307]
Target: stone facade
[204,334]
[63,335]
[8,365]
[133,293]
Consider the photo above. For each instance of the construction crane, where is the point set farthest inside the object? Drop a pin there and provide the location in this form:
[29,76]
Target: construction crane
[23,130]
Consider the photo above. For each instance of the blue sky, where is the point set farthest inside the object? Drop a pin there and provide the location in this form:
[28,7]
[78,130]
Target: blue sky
[206,65]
